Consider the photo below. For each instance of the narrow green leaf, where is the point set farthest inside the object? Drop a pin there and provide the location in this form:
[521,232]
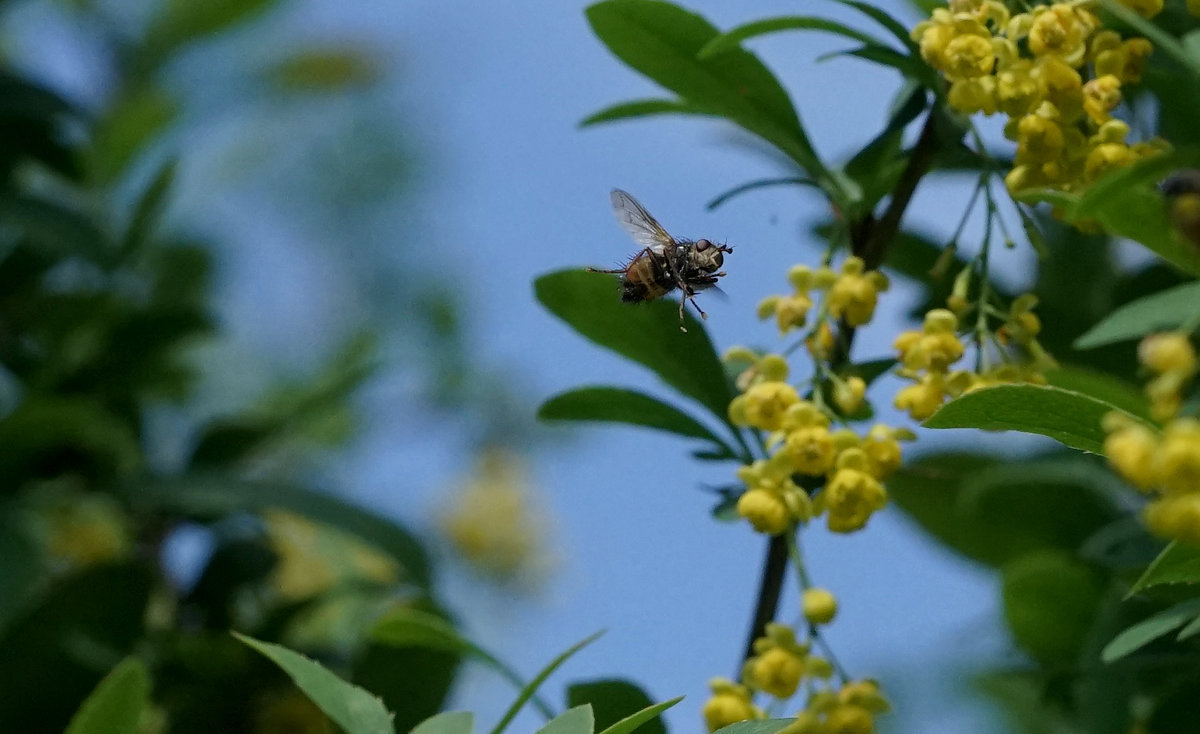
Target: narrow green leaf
[911,67]
[878,164]
[216,495]
[1169,309]
[129,124]
[612,700]
[58,230]
[902,32]
[647,333]
[536,683]
[731,40]
[763,726]
[1191,630]
[759,184]
[1177,564]
[644,718]
[1066,416]
[617,405]
[575,721]
[149,208]
[640,108]
[115,706]
[350,707]
[661,41]
[1150,629]
[1050,602]
[181,21]
[1101,386]
[447,722]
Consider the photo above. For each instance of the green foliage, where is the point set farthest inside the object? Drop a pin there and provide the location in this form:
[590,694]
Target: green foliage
[1170,309]
[574,721]
[1066,416]
[1152,628]
[646,718]
[614,700]
[1050,602]
[1177,564]
[449,722]
[353,709]
[116,706]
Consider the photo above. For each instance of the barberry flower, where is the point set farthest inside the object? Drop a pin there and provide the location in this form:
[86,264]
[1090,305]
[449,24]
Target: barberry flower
[778,663]
[820,606]
[729,704]
[851,495]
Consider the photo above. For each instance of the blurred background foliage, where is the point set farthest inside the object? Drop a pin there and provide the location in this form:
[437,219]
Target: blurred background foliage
[145,510]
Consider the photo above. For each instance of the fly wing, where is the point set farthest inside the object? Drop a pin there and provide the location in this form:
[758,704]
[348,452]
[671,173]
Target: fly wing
[645,229]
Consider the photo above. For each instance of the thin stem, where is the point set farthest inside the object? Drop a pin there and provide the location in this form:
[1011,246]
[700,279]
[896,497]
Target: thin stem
[769,588]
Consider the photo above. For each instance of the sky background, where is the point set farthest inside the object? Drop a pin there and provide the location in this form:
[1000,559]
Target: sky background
[486,97]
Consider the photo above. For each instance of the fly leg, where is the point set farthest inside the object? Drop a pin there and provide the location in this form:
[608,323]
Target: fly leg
[687,294]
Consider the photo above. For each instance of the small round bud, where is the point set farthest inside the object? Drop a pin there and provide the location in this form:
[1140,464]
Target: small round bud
[820,606]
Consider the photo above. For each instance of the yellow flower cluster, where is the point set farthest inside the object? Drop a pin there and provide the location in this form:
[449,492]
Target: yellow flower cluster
[802,443]
[494,524]
[926,358]
[1163,463]
[850,710]
[314,558]
[850,295]
[1054,71]
[780,662]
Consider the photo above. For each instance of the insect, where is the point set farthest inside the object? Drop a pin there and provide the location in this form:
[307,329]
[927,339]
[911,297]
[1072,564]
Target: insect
[664,263]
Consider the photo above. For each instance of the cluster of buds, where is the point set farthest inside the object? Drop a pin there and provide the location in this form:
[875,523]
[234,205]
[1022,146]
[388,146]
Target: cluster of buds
[850,709]
[850,296]
[1163,463]
[927,356]
[806,452]
[1054,71]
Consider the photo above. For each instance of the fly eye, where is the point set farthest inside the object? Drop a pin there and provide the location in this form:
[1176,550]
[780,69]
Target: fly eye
[718,260]
[702,245]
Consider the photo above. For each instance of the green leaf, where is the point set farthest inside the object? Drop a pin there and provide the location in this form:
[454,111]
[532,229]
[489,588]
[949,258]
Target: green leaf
[1177,564]
[183,21]
[1150,629]
[412,682]
[22,566]
[758,184]
[1163,311]
[877,165]
[902,32]
[575,721]
[732,40]
[215,496]
[149,209]
[353,709]
[1050,602]
[994,511]
[647,333]
[536,683]
[126,129]
[1101,386]
[640,108]
[447,722]
[613,700]
[55,229]
[646,717]
[764,726]
[115,707]
[1069,417]
[662,41]
[616,405]
[45,429]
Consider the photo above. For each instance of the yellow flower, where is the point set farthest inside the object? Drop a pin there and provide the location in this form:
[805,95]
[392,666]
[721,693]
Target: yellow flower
[967,56]
[864,693]
[1061,30]
[1178,457]
[849,719]
[1170,351]
[808,444]
[1061,87]
[969,96]
[792,311]
[848,394]
[776,671]
[1018,91]
[854,294]
[765,509]
[729,704]
[772,502]
[882,449]
[820,606]
[1131,450]
[924,398]
[1105,158]
[1101,96]
[936,347]
[1176,518]
[852,495]
[764,405]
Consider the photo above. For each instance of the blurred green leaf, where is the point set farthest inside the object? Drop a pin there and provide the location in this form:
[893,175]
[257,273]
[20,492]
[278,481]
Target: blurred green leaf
[1177,564]
[80,628]
[617,405]
[1050,602]
[613,700]
[899,30]
[55,229]
[413,682]
[528,691]
[325,70]
[46,436]
[32,122]
[910,67]
[447,722]
[1169,309]
[1150,629]
[732,40]
[1069,417]
[22,566]
[126,129]
[641,108]
[116,705]
[214,496]
[1021,699]
[353,709]
[877,166]
[1101,386]
[182,21]
[148,209]
[647,717]
[646,333]
[662,41]
[765,726]
[994,511]
[575,721]
[758,184]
